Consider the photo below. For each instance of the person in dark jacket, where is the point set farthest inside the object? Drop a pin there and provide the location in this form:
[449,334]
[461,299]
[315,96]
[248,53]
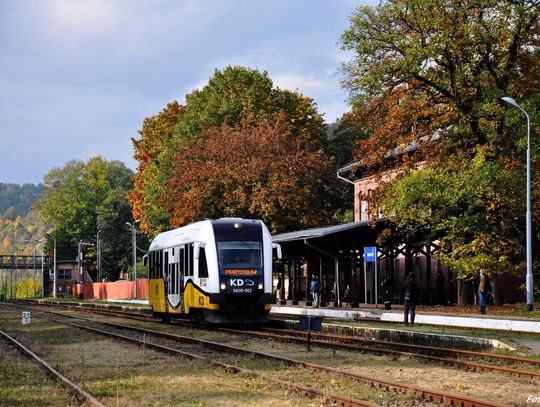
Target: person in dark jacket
[410,298]
[347,295]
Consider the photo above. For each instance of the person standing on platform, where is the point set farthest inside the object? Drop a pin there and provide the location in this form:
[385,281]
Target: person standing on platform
[278,289]
[347,295]
[410,297]
[483,289]
[315,289]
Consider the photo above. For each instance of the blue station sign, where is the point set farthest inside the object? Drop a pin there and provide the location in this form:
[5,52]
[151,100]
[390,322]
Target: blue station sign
[370,254]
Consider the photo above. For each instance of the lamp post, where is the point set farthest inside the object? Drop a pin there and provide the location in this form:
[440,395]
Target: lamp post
[134,243]
[54,263]
[98,244]
[529,276]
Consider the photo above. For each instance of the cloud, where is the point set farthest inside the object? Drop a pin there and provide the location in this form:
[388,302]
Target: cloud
[89,16]
[305,83]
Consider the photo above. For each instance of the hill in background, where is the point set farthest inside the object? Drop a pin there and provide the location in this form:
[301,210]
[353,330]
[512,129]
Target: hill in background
[17,222]
[15,200]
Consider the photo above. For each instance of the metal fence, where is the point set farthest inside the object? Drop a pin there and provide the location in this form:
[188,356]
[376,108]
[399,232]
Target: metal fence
[23,276]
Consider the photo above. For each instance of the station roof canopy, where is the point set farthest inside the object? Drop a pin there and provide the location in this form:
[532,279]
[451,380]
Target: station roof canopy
[318,232]
[332,240]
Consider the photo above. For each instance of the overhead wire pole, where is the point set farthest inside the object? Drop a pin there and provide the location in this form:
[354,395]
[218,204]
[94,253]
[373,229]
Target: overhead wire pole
[26,269]
[528,222]
[34,271]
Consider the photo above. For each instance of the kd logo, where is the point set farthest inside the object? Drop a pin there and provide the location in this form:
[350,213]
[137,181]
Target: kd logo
[201,300]
[236,282]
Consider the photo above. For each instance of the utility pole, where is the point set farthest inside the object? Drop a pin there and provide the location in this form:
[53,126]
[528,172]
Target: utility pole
[54,263]
[42,272]
[134,244]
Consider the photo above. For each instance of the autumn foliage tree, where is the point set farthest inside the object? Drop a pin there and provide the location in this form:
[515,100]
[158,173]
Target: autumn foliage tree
[440,67]
[149,182]
[260,170]
[216,156]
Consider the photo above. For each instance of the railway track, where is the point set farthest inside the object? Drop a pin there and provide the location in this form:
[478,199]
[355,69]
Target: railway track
[431,354]
[71,386]
[419,392]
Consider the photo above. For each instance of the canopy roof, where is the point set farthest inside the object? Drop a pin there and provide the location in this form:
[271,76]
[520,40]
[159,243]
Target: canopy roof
[318,232]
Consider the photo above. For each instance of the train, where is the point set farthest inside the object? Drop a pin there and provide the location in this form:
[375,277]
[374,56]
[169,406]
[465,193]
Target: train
[213,271]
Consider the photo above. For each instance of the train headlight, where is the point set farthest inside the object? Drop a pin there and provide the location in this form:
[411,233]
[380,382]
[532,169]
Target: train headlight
[223,286]
[260,286]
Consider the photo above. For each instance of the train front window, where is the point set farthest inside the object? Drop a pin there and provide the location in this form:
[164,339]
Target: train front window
[240,255]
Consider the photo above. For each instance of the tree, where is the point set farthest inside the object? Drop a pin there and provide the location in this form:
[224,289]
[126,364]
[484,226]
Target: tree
[468,210]
[82,198]
[150,180]
[262,171]
[463,54]
[439,68]
[240,99]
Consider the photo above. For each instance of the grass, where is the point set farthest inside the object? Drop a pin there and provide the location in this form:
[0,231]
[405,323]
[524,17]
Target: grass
[24,383]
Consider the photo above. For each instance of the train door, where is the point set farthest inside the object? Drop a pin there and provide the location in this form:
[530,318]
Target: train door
[174,278]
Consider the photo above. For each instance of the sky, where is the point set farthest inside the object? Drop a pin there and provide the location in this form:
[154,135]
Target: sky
[78,77]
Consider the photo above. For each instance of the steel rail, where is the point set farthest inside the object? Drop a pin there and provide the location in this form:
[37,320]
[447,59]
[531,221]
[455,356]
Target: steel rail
[339,338]
[71,386]
[427,349]
[424,393]
[445,361]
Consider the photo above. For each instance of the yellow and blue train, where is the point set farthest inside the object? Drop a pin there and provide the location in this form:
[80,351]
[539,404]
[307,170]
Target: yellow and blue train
[218,271]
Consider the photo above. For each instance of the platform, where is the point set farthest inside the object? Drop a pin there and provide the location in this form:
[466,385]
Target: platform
[480,322]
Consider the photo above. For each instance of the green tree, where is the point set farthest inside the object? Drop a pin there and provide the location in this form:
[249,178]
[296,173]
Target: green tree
[468,210]
[82,198]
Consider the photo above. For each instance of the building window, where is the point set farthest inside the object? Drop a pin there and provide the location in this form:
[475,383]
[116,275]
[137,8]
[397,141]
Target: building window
[64,274]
